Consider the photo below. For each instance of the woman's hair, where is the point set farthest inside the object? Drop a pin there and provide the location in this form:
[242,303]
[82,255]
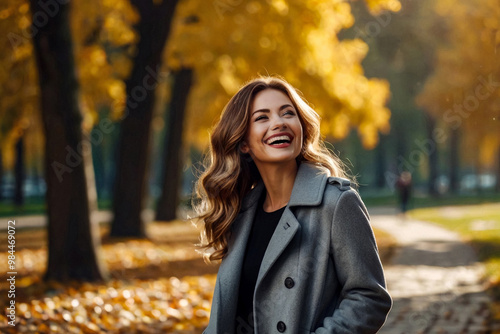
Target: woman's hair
[230,174]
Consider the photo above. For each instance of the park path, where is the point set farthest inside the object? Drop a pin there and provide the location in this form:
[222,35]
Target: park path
[35,221]
[434,280]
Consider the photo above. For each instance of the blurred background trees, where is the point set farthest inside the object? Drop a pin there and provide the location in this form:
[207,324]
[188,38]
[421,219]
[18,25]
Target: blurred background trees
[463,92]
[395,85]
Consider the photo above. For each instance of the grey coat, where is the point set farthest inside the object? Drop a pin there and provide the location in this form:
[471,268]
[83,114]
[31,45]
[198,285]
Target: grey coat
[321,272]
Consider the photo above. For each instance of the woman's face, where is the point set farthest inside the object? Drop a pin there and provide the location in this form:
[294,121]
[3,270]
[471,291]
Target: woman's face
[275,133]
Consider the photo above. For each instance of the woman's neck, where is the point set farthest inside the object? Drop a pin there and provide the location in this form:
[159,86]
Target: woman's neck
[278,179]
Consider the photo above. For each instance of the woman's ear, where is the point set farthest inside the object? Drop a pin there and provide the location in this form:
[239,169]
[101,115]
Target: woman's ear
[244,147]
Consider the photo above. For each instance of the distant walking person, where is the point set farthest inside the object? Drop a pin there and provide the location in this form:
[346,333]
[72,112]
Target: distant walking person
[298,253]
[404,185]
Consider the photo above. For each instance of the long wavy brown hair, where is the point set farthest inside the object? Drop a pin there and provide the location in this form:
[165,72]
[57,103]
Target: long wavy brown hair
[229,174]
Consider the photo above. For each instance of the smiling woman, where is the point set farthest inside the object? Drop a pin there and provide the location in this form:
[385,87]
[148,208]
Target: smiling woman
[298,253]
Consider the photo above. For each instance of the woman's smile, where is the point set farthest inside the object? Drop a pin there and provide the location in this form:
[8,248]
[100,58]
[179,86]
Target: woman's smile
[280,140]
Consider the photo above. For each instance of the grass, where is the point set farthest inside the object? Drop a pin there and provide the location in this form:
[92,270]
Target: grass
[36,206]
[477,224]
[32,206]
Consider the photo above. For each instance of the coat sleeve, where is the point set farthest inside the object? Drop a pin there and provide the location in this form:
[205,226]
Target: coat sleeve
[365,301]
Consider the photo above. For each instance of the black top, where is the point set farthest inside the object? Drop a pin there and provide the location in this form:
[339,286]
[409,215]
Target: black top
[263,228]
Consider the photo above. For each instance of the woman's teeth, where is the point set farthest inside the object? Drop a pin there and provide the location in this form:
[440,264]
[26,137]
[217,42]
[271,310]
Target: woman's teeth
[279,140]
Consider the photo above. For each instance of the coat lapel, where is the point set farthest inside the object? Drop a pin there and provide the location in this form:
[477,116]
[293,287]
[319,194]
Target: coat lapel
[286,229]
[308,189]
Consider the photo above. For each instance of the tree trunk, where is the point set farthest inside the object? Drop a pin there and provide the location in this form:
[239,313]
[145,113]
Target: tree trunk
[72,235]
[99,167]
[173,161]
[478,170]
[433,157]
[454,167]
[497,184]
[477,189]
[134,141]
[380,164]
[19,173]
[401,146]
[1,175]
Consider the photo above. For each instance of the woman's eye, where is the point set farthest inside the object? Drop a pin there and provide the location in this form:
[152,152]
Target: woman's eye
[287,112]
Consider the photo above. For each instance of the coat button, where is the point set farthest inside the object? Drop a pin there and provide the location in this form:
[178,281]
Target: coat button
[289,283]
[281,326]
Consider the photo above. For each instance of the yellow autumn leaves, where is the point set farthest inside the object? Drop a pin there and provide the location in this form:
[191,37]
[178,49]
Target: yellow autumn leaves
[227,42]
[150,292]
[165,305]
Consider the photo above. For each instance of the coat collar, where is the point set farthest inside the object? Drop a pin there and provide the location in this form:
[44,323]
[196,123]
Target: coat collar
[308,188]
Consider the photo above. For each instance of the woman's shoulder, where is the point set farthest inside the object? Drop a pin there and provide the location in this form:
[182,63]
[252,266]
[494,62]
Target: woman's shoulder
[340,189]
[341,183]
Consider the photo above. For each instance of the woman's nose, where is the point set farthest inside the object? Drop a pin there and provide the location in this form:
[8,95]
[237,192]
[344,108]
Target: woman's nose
[278,123]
